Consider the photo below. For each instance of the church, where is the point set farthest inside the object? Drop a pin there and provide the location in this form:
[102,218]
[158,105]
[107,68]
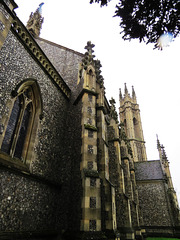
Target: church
[69,168]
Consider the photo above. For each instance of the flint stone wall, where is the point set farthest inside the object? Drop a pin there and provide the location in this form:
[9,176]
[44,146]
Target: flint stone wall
[153,203]
[27,204]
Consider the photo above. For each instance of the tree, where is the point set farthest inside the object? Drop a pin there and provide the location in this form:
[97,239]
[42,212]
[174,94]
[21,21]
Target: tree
[147,20]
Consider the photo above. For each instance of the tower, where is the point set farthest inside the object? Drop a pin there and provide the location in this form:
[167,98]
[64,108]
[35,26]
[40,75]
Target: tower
[35,22]
[130,117]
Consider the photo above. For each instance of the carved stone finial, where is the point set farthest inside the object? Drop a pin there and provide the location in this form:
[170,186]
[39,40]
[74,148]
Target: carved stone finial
[35,21]
[88,56]
[158,142]
[89,47]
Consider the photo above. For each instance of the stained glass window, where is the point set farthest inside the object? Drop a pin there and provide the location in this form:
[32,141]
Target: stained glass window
[19,123]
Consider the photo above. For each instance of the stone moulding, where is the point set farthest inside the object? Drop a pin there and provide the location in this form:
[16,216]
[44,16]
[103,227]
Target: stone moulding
[90,127]
[91,173]
[84,90]
[36,52]
[114,140]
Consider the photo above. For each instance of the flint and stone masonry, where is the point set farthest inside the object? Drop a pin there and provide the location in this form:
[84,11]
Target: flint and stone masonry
[68,169]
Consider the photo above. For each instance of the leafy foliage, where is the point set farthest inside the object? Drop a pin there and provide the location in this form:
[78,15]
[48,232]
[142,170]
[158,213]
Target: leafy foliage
[147,20]
[103,2]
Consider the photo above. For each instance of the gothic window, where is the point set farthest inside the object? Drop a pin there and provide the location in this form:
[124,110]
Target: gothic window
[92,182]
[139,151]
[92,225]
[92,202]
[90,149]
[125,126]
[136,128]
[89,121]
[90,165]
[19,129]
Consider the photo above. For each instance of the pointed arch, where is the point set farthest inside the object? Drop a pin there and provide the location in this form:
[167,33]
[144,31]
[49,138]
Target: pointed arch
[90,78]
[136,128]
[21,128]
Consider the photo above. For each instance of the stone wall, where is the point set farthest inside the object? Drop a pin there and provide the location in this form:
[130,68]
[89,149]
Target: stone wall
[153,203]
[27,203]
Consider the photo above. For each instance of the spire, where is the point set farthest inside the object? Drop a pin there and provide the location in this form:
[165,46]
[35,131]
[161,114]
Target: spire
[40,8]
[35,21]
[133,93]
[125,89]
[120,94]
[158,142]
[160,149]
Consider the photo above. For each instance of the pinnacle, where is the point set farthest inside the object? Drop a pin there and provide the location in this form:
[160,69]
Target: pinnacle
[158,142]
[125,89]
[120,94]
[133,92]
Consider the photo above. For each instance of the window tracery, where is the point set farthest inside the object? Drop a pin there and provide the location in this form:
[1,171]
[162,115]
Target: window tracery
[21,126]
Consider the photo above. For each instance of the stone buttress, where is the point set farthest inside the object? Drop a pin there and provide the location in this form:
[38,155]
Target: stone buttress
[91,199]
[122,176]
[98,200]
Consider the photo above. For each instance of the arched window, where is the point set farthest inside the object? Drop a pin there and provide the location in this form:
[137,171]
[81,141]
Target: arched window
[125,126]
[136,128]
[21,126]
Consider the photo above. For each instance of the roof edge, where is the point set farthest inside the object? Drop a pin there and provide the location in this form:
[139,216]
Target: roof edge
[59,46]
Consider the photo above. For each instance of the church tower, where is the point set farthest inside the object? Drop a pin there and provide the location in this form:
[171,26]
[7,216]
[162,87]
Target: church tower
[130,117]
[35,22]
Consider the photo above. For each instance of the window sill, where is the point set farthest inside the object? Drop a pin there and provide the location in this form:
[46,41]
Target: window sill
[14,163]
[17,166]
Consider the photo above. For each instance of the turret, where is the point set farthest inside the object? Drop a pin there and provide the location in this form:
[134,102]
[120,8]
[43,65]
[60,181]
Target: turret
[130,117]
[35,21]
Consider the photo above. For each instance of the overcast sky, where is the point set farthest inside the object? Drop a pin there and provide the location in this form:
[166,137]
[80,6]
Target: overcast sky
[154,74]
